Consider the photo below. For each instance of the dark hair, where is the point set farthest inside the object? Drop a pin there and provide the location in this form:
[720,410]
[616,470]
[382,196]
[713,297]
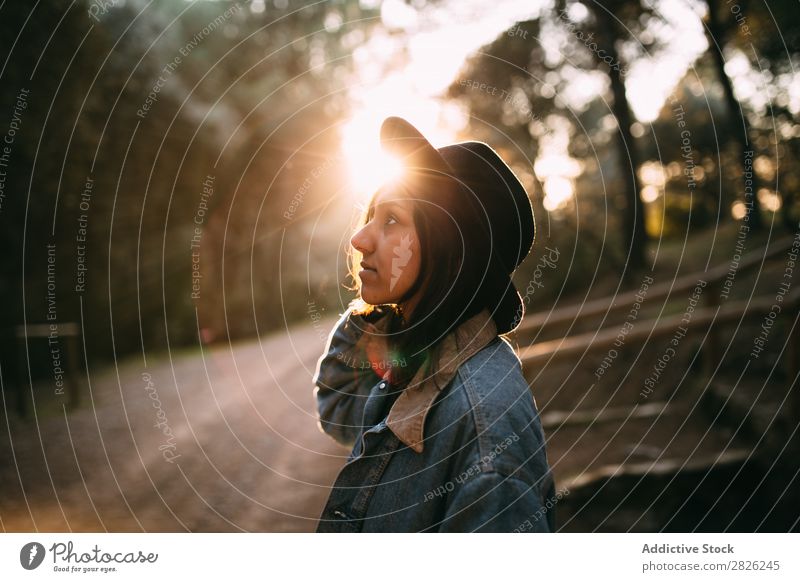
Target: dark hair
[454,270]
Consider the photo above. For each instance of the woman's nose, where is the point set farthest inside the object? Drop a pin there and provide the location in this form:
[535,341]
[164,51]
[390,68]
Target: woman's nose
[361,240]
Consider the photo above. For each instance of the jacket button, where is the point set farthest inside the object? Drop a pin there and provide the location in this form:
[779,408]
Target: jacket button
[340,514]
[382,386]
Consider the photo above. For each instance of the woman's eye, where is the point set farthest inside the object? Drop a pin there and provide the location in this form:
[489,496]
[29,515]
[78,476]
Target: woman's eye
[390,218]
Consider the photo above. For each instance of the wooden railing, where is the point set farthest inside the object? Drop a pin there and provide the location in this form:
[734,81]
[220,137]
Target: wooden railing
[702,318]
[611,304]
[707,319]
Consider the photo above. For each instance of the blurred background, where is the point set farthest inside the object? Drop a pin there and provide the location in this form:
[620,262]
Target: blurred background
[179,182]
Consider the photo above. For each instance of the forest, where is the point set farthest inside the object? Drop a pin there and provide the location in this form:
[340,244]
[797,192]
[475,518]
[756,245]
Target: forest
[179,178]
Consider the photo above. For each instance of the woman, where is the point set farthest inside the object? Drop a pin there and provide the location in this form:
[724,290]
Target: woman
[445,432]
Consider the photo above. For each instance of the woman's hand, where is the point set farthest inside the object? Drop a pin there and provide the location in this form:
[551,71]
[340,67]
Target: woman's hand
[375,347]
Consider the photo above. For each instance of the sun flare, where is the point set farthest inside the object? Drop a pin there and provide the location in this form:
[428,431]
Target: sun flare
[369,167]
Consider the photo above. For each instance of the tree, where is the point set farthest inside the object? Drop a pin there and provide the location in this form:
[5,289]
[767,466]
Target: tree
[517,63]
[720,26]
[609,30]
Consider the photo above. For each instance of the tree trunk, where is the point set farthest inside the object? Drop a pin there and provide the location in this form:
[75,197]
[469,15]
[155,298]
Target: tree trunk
[737,120]
[628,158]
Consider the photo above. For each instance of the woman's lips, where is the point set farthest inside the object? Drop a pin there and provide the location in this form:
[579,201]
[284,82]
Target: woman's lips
[366,270]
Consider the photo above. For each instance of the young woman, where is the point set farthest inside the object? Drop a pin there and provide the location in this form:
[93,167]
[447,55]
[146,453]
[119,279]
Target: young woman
[416,376]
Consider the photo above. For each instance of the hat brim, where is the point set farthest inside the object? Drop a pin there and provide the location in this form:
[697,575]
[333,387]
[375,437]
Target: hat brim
[401,139]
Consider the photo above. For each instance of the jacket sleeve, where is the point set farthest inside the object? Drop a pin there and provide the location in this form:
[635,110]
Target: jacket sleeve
[493,502]
[343,379]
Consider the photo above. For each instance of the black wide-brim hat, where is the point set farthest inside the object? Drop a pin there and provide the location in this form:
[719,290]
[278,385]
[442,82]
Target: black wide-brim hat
[486,180]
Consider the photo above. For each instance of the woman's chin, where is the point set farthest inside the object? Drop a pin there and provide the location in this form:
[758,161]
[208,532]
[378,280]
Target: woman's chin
[372,298]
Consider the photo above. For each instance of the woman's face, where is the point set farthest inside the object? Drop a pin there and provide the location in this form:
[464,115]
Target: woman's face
[389,246]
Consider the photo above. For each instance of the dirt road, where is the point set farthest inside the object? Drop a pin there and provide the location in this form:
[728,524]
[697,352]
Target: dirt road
[225,440]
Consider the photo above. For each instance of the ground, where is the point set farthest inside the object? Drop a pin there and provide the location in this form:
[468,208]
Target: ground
[251,455]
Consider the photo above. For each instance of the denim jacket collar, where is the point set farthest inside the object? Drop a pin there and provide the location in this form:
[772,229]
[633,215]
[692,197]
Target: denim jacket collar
[407,416]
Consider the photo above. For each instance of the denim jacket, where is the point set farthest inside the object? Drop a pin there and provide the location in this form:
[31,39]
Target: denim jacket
[458,449]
